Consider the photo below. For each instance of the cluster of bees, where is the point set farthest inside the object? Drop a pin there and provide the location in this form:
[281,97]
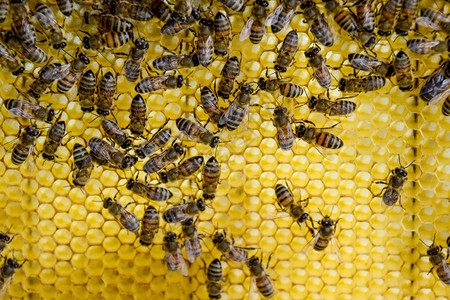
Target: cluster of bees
[114,21]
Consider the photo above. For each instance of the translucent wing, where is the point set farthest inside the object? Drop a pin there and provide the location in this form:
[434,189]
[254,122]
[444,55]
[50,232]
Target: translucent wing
[287,19]
[4,283]
[62,72]
[29,162]
[333,248]
[311,243]
[24,113]
[278,214]
[181,266]
[436,100]
[426,22]
[226,115]
[364,64]
[192,243]
[273,16]
[245,33]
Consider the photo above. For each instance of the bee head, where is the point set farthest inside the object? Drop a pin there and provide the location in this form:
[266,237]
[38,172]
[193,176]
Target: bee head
[370,42]
[86,43]
[163,176]
[280,69]
[60,45]
[206,22]
[84,58]
[140,153]
[12,262]
[107,202]
[326,222]
[312,102]
[4,237]
[300,130]
[178,148]
[262,84]
[390,71]
[218,238]
[253,261]
[342,84]
[400,171]
[50,115]
[170,237]
[214,142]
[433,250]
[188,222]
[280,110]
[263,3]
[401,32]
[195,60]
[179,81]
[141,43]
[19,71]
[126,144]
[220,53]
[197,14]
[201,205]
[312,51]
[32,130]
[303,217]
[245,88]
[102,112]
[130,184]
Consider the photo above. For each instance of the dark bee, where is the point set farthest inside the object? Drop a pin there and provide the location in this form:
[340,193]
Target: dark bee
[114,132]
[320,69]
[155,83]
[130,10]
[173,258]
[255,27]
[215,279]
[286,89]
[127,219]
[389,13]
[138,115]
[196,132]
[160,10]
[153,193]
[182,212]
[175,62]
[434,19]
[262,281]
[287,52]
[210,178]
[191,240]
[150,224]
[222,34]
[25,145]
[10,61]
[392,192]
[4,9]
[86,91]
[308,132]
[5,239]
[234,5]
[406,17]
[361,85]
[284,18]
[158,140]
[77,67]
[437,85]
[27,110]
[165,158]
[7,272]
[65,6]
[135,58]
[229,73]
[21,24]
[227,248]
[82,165]
[428,47]
[331,108]
[282,121]
[325,235]
[109,22]
[30,52]
[205,42]
[114,40]
[237,110]
[439,262]
[53,140]
[50,26]
[185,169]
[365,15]
[176,25]
[370,64]
[317,24]
[107,88]
[403,71]
[102,151]
[210,104]
[446,108]
[47,76]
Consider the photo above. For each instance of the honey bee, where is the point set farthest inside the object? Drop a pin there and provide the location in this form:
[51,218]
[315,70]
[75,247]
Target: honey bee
[49,25]
[361,85]
[158,140]
[370,64]
[389,13]
[227,248]
[7,272]
[25,146]
[439,262]
[5,239]
[437,85]
[427,47]
[317,24]
[138,115]
[176,24]
[260,278]
[65,6]
[284,18]
[191,240]
[175,62]
[234,5]
[53,140]
[403,71]
[150,224]
[165,158]
[215,279]
[406,17]
[153,193]
[255,27]
[320,69]
[47,75]
[160,10]
[4,9]
[307,131]
[229,73]
[196,132]
[237,110]
[331,108]
[210,178]
[155,83]
[135,58]
[127,219]
[109,22]
[86,90]
[21,25]
[8,60]
[325,236]
[210,104]
[110,39]
[365,15]
[392,191]
[77,67]
[173,258]
[185,169]
[31,52]
[282,121]
[287,52]
[287,89]
[133,11]
[205,42]
[27,110]
[114,132]
[82,165]
[434,19]
[222,34]
[107,88]
[102,151]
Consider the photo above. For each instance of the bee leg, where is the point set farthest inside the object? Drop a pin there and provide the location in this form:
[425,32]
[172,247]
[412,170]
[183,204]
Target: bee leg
[430,270]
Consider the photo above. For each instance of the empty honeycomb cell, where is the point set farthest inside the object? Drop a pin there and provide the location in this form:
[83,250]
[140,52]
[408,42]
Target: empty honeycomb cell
[314,284]
[46,211]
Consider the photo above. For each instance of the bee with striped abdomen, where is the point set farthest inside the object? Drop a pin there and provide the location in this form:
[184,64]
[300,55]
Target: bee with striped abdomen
[319,66]
[102,151]
[324,105]
[210,104]
[439,262]
[27,110]
[108,22]
[175,62]
[138,115]
[234,5]
[389,13]
[158,140]
[10,61]
[155,83]
[21,25]
[77,66]
[325,237]
[114,132]
[7,272]
[446,108]
[134,61]
[286,89]
[282,121]
[317,24]
[287,52]
[65,6]
[222,34]
[365,15]
[403,71]
[31,52]
[165,158]
[86,91]
[173,258]
[196,132]
[227,248]
[107,88]
[25,146]
[434,19]
[184,170]
[369,64]
[428,47]
[260,278]
[153,193]
[230,71]
[160,10]
[238,110]
[53,140]
[191,240]
[47,76]
[307,131]
[289,7]
[49,25]
[127,219]
[361,85]
[205,47]
[135,11]
[82,165]
[150,224]
[214,279]
[181,212]
[210,178]
[406,17]
[176,24]
[437,85]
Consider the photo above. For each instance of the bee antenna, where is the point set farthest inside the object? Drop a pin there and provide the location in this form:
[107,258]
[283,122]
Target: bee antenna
[68,53]
[424,243]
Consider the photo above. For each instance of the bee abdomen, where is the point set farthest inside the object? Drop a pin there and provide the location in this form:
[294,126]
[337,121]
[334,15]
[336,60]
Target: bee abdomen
[20,154]
[290,90]
[329,140]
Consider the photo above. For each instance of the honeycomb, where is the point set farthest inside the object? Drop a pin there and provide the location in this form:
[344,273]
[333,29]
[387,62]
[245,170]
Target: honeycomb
[75,249]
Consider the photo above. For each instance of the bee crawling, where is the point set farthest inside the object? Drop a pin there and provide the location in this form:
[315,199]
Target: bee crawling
[438,261]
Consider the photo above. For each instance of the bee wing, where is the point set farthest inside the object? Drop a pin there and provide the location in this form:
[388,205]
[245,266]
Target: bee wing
[278,214]
[31,166]
[436,100]
[311,243]
[192,243]
[22,113]
[287,19]
[4,283]
[273,16]
[182,266]
[426,22]
[253,291]
[333,248]
[245,33]
[226,115]
[362,64]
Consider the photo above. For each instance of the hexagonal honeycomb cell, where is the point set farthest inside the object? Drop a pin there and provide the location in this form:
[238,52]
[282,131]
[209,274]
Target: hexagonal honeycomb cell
[74,248]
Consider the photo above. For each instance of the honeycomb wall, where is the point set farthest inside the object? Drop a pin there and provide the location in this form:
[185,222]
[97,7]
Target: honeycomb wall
[75,248]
